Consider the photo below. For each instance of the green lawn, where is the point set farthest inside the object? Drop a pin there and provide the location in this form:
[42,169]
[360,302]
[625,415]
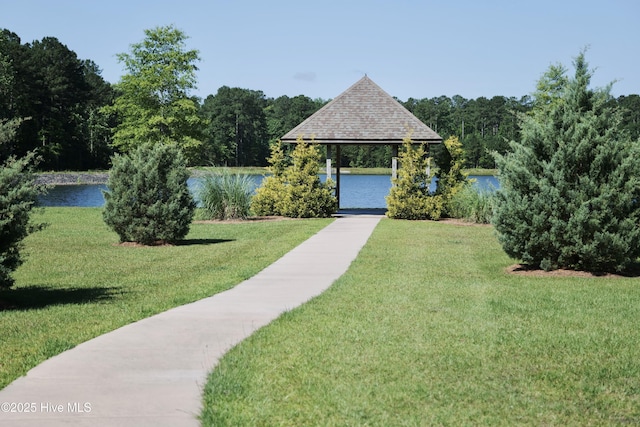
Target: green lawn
[77,283]
[426,328]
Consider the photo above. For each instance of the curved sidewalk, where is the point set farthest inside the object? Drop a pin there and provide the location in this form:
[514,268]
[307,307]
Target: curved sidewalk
[151,373]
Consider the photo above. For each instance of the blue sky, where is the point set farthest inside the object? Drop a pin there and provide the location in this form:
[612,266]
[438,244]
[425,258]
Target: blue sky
[411,48]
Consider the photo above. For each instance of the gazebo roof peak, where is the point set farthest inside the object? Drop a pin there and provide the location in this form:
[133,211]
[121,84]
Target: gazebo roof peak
[363,114]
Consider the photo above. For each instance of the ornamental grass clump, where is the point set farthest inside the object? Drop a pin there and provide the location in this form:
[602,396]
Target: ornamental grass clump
[570,189]
[226,196]
[148,200]
[472,204]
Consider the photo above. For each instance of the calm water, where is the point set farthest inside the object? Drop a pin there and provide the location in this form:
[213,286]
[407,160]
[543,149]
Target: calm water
[356,191]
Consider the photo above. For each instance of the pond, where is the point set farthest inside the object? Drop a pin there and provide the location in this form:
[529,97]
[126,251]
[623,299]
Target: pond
[356,191]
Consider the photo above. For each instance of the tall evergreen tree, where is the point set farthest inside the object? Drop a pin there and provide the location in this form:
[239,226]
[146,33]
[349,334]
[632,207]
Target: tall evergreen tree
[61,91]
[61,94]
[570,189]
[97,124]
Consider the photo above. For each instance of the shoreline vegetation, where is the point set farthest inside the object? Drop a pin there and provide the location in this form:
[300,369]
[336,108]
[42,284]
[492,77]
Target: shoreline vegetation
[101,177]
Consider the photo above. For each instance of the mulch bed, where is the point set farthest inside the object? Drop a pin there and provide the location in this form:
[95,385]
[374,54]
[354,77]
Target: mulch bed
[526,270]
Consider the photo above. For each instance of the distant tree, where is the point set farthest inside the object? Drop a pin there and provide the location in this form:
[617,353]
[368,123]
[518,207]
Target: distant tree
[154,103]
[482,125]
[13,70]
[6,83]
[148,200]
[284,113]
[60,93]
[366,156]
[237,130]
[570,189]
[6,79]
[97,124]
[18,196]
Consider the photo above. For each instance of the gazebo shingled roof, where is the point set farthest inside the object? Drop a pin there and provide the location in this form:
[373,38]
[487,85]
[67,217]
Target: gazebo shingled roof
[362,114]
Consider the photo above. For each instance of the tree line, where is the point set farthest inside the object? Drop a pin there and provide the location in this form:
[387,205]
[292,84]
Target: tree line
[75,120]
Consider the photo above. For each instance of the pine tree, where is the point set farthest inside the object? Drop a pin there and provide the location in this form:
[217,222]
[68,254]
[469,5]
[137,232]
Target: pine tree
[410,196]
[148,199]
[451,177]
[295,190]
[306,195]
[18,196]
[570,189]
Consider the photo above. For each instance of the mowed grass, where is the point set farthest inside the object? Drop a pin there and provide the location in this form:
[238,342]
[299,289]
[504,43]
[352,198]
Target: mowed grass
[77,283]
[426,328]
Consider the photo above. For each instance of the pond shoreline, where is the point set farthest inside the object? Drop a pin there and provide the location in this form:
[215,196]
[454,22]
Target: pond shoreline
[87,178]
[72,178]
[92,178]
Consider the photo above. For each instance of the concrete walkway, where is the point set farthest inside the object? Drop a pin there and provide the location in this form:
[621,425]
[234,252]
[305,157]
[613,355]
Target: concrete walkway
[151,373]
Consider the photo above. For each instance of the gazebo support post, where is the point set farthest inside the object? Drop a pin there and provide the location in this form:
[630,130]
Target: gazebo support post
[329,147]
[338,174]
[394,161]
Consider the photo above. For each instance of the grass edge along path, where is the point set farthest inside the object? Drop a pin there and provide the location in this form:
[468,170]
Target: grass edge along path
[77,283]
[427,328]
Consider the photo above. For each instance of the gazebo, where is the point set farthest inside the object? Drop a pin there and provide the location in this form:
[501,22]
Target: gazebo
[364,114]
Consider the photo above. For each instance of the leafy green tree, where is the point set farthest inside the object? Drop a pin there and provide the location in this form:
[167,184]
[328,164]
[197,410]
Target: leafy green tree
[570,189]
[18,196]
[148,200]
[154,103]
[410,196]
